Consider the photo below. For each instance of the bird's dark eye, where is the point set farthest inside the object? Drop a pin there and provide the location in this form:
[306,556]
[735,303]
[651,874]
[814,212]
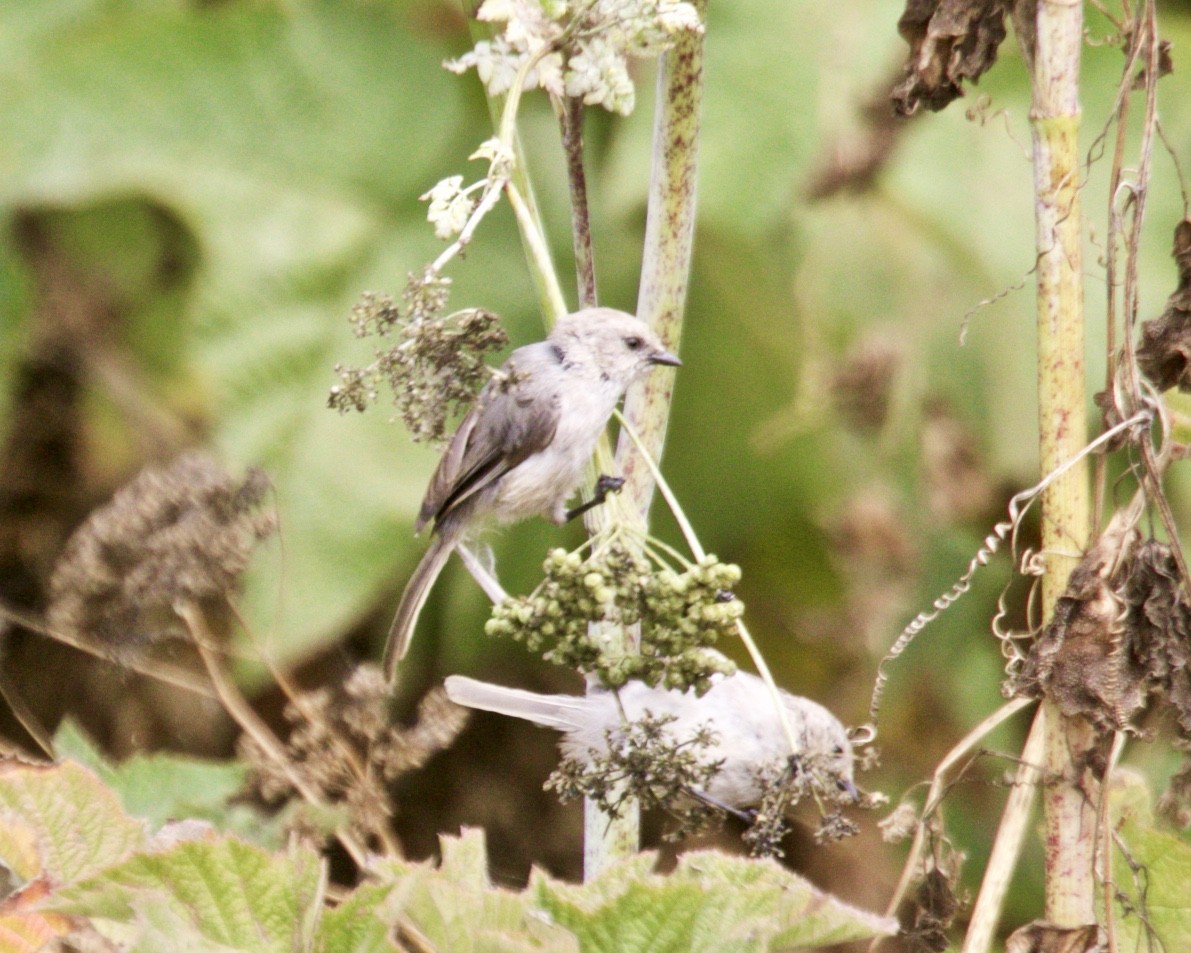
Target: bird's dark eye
[633,343]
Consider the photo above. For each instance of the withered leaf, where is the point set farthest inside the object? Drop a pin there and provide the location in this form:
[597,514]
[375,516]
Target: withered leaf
[950,41]
[1165,66]
[1042,937]
[1083,659]
[1165,347]
[937,906]
[1160,623]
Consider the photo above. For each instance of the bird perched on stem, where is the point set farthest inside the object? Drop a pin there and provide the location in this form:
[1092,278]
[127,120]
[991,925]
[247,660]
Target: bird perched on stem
[737,708]
[522,450]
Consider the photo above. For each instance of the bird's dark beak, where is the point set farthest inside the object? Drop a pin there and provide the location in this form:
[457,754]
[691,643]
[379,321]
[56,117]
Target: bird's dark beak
[665,357]
[850,789]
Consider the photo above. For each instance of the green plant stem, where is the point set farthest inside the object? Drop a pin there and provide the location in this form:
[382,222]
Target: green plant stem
[661,297]
[570,119]
[1070,797]
[669,238]
[1006,849]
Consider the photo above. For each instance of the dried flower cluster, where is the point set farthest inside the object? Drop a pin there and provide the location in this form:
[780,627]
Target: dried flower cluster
[680,614]
[579,49]
[436,364]
[346,748]
[663,767]
[812,775]
[182,532]
[643,760]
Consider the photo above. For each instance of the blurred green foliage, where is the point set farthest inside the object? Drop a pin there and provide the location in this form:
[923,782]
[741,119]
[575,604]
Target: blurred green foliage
[237,173]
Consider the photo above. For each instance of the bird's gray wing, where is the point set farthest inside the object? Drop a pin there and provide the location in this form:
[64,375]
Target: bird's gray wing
[507,425]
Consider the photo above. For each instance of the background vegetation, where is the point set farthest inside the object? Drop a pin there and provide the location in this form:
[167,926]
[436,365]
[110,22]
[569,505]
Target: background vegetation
[194,195]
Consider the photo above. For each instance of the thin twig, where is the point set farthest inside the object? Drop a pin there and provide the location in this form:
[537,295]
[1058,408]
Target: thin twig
[161,671]
[570,118]
[251,724]
[934,799]
[345,749]
[697,550]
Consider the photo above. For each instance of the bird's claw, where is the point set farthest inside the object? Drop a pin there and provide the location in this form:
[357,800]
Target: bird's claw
[608,484]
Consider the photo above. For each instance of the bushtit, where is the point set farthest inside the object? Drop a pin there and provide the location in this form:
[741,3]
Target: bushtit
[522,449]
[748,735]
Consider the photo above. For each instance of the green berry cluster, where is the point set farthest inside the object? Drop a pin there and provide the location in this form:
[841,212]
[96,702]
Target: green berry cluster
[679,614]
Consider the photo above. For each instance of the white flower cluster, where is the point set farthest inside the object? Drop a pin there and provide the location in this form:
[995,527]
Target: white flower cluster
[450,205]
[579,49]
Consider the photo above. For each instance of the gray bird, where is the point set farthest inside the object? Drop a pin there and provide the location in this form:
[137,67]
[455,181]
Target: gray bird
[522,449]
[738,708]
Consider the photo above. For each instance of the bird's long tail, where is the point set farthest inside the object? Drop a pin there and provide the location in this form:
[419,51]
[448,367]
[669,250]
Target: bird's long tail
[561,712]
[414,597]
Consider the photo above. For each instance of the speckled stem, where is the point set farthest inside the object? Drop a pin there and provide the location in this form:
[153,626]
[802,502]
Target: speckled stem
[669,238]
[1069,800]
[570,120]
[665,269]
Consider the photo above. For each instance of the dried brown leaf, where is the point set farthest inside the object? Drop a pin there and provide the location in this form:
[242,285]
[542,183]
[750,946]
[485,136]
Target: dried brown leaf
[1160,623]
[1042,937]
[950,41]
[1165,348]
[1165,66]
[1083,661]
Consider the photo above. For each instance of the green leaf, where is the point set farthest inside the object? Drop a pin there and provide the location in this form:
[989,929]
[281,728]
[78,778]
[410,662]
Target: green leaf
[288,146]
[61,822]
[1152,873]
[711,902]
[354,926]
[456,908]
[160,787]
[224,893]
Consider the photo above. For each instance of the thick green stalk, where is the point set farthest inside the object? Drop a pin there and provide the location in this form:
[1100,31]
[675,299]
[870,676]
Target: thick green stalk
[665,270]
[1070,797]
[669,238]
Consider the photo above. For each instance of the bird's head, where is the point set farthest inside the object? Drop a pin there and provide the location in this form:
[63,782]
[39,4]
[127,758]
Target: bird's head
[616,346]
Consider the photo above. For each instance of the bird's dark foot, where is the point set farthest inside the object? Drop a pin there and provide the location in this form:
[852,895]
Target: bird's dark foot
[604,485]
[607,484]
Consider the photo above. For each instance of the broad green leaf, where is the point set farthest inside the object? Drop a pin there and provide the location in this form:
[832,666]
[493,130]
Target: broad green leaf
[354,925]
[226,892]
[1151,870]
[77,824]
[456,908]
[711,902]
[289,146]
[158,787]
[24,928]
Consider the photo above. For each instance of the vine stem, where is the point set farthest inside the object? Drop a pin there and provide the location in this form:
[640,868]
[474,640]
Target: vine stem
[1069,800]
[661,299]
[688,533]
[253,726]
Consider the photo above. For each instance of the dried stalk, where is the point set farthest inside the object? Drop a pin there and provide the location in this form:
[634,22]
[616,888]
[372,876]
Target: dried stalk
[1069,799]
[661,297]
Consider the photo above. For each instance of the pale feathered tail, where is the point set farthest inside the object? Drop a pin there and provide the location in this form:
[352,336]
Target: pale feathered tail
[412,600]
[560,712]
